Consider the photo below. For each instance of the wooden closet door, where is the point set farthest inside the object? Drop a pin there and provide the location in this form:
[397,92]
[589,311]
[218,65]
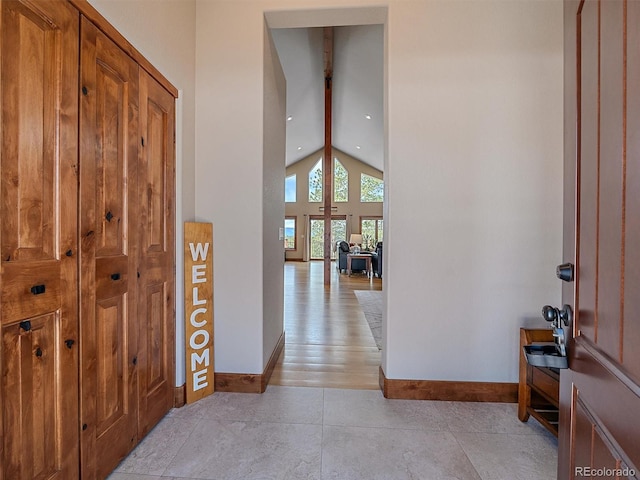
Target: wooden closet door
[156,302]
[38,234]
[108,234]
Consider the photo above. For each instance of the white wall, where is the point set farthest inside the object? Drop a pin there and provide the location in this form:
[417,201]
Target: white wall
[473,177]
[273,170]
[165,35]
[229,183]
[475,139]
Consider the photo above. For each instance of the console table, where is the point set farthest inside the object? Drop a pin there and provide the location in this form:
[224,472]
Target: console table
[538,387]
[366,257]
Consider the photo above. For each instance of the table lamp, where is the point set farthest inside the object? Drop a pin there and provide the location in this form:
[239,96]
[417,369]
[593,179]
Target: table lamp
[356,239]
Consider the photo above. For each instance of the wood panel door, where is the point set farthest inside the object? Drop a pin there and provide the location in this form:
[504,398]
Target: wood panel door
[600,394]
[156,301]
[109,227]
[39,184]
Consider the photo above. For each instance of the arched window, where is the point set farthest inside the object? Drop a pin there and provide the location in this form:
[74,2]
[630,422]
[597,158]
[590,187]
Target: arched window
[315,182]
[371,188]
[340,182]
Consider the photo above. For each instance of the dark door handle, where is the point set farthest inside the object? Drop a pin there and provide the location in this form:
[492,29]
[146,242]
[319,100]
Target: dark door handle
[115,276]
[565,272]
[38,289]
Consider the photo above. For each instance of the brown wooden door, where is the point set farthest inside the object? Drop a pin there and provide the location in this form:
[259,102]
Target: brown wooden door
[600,394]
[109,228]
[38,307]
[156,302]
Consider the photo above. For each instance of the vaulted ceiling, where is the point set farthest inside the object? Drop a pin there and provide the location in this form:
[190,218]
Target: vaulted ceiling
[357,91]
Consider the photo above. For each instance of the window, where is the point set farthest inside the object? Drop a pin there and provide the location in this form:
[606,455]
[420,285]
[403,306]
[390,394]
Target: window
[290,188]
[290,233]
[315,182]
[371,229]
[316,237]
[340,182]
[371,188]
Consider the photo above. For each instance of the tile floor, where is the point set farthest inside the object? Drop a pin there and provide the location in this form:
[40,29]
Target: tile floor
[321,433]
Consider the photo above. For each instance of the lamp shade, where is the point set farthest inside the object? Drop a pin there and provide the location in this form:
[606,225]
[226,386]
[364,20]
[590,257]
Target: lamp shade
[355,238]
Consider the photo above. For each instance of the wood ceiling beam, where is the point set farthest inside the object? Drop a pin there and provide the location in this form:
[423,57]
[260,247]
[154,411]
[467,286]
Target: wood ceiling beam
[328,52]
[327,170]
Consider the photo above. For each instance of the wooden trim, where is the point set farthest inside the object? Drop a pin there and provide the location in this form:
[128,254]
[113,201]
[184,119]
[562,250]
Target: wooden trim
[297,259]
[271,364]
[449,391]
[623,237]
[238,382]
[333,217]
[249,382]
[382,380]
[86,9]
[571,210]
[180,396]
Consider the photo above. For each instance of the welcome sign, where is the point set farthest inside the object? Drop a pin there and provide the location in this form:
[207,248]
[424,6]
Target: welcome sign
[198,305]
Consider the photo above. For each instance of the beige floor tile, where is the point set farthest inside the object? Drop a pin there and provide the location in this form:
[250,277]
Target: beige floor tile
[136,476]
[481,417]
[153,454]
[369,408]
[355,453]
[224,450]
[277,404]
[510,456]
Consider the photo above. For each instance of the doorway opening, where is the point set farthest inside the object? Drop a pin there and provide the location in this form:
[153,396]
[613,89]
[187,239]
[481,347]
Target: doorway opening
[329,342]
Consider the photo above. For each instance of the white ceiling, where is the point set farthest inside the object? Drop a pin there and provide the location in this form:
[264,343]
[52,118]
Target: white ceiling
[357,91]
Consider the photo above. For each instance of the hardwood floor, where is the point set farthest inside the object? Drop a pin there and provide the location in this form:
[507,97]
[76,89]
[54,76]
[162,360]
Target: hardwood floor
[328,340]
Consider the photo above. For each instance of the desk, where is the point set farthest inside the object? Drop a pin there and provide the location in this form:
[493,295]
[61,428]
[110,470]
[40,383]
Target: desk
[366,257]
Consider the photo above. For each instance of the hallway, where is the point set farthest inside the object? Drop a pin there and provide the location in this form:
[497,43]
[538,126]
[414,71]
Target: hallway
[328,340]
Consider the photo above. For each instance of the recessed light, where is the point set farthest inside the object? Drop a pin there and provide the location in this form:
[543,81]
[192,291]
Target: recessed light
[367,116]
[299,148]
[358,147]
[289,118]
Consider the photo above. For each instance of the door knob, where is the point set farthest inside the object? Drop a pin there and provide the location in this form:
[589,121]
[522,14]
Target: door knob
[555,315]
[557,318]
